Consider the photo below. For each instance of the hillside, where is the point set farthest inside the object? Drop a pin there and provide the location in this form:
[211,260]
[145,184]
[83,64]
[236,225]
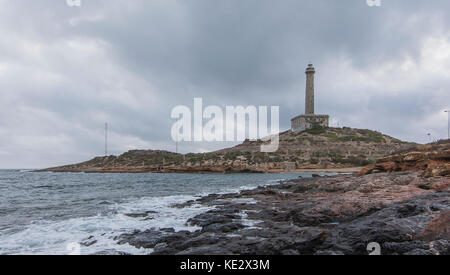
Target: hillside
[311,149]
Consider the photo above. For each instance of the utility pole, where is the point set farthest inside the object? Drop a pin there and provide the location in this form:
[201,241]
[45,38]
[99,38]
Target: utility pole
[106,139]
[448,123]
[176,144]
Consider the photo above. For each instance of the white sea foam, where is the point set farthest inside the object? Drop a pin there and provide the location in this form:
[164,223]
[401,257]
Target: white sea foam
[244,200]
[242,188]
[54,237]
[251,224]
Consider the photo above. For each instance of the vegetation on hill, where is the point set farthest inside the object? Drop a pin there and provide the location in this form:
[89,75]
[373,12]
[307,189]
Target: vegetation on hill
[313,148]
[346,146]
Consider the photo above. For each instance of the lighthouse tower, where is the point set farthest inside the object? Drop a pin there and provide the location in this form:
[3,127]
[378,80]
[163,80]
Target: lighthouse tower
[309,120]
[309,101]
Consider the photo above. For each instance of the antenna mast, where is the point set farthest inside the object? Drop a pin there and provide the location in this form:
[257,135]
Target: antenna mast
[106,139]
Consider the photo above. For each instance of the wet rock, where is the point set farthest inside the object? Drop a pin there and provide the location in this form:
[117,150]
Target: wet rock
[329,252]
[222,228]
[140,215]
[168,230]
[403,247]
[142,239]
[110,252]
[205,250]
[290,252]
[420,252]
[215,217]
[184,205]
[88,241]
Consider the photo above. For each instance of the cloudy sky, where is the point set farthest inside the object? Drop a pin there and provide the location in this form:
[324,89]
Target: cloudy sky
[64,70]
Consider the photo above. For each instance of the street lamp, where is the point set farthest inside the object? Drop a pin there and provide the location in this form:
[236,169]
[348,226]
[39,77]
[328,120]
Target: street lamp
[448,123]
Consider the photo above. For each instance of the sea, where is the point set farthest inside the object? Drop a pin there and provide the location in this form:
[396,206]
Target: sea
[48,213]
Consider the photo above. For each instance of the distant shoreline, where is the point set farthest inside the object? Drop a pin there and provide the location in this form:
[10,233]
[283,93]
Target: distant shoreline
[269,171]
[336,150]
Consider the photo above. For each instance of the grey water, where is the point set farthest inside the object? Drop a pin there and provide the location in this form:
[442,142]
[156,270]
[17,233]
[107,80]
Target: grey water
[41,213]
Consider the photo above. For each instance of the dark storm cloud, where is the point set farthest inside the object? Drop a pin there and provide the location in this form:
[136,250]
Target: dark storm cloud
[254,43]
[65,71]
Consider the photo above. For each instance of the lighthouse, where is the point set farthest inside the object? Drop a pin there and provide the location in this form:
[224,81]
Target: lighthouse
[309,100]
[309,120]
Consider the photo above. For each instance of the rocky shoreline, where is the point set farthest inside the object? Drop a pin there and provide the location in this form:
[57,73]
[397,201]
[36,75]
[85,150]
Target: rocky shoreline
[404,212]
[204,170]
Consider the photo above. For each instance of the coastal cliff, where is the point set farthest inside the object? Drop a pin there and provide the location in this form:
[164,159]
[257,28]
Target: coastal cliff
[432,159]
[322,148]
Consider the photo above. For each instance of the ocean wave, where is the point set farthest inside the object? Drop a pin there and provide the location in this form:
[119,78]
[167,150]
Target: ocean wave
[100,208]
[42,238]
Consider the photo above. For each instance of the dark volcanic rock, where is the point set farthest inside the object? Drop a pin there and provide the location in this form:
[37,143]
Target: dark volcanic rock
[215,217]
[143,239]
[388,226]
[110,252]
[223,228]
[88,241]
[140,215]
[404,212]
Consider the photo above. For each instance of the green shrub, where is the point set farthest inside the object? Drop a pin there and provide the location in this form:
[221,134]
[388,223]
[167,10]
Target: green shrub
[232,155]
[316,131]
[314,161]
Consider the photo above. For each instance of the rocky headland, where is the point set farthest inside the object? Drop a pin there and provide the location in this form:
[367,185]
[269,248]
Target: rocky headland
[431,159]
[406,210]
[314,149]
